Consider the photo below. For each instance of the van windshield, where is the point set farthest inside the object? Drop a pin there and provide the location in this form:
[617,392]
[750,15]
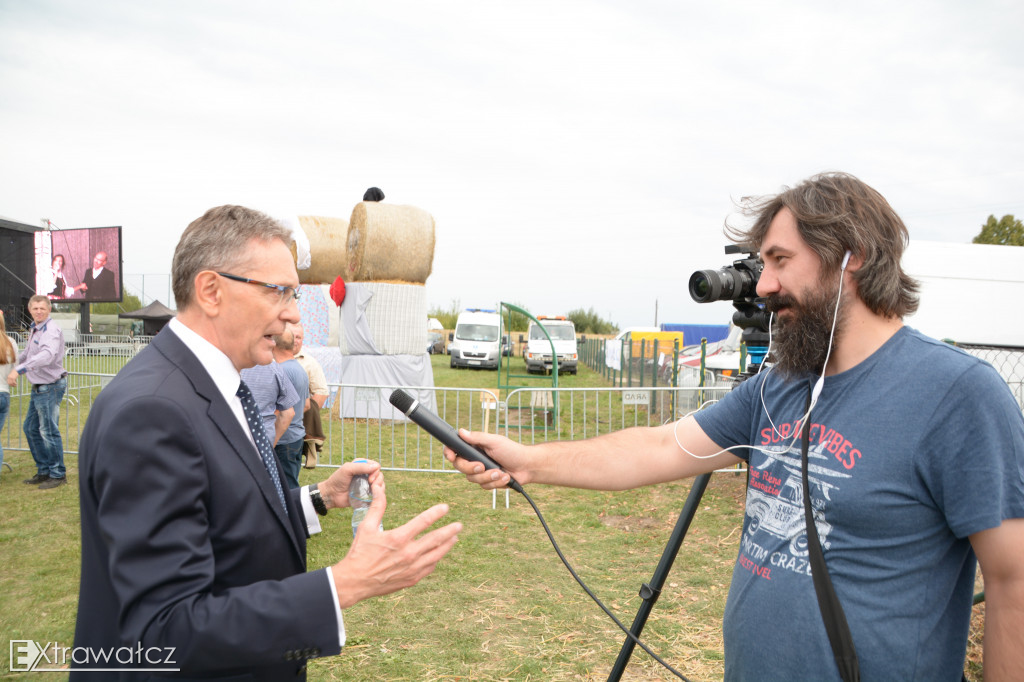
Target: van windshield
[477,332]
[558,332]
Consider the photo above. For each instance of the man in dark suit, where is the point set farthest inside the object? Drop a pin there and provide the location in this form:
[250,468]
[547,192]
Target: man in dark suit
[99,283]
[193,559]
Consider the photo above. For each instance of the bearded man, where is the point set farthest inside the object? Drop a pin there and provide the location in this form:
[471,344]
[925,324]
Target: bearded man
[915,451]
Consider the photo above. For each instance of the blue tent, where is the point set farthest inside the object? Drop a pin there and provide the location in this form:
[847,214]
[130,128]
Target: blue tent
[693,333]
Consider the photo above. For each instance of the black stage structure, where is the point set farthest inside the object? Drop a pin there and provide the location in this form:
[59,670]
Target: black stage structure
[17,271]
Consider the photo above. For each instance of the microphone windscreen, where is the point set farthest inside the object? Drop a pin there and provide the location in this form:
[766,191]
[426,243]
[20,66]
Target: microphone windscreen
[402,400]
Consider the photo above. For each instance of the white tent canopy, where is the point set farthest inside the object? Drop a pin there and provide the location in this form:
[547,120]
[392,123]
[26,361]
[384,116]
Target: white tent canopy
[970,293]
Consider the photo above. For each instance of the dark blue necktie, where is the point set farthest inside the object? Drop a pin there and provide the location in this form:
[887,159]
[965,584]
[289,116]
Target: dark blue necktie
[259,434]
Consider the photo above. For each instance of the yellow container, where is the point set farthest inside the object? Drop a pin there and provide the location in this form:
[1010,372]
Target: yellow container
[666,342]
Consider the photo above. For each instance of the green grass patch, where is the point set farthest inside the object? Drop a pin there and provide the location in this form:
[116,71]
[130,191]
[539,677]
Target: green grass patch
[500,606]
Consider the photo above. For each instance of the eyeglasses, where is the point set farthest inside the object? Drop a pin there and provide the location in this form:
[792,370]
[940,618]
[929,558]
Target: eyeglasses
[287,294]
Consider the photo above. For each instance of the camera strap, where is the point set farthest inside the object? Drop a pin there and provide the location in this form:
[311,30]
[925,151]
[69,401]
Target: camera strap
[828,602]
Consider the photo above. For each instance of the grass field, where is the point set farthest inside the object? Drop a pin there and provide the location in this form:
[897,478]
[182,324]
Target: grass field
[499,607]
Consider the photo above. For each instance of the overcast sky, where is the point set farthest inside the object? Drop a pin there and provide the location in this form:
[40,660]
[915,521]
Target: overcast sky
[574,154]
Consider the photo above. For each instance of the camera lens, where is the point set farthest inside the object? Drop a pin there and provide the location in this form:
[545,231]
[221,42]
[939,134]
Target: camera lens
[705,286]
[726,284]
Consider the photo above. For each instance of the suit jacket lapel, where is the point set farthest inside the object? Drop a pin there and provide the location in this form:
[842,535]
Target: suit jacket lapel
[221,415]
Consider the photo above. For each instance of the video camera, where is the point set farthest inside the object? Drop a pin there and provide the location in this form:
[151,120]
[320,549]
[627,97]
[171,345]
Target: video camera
[738,283]
[733,282]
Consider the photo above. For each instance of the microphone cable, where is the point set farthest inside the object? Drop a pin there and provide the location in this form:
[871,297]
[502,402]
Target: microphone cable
[576,577]
[444,432]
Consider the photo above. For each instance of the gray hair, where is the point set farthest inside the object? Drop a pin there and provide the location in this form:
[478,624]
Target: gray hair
[219,240]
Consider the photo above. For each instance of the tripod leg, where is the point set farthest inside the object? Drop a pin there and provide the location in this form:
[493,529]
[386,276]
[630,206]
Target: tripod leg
[650,592]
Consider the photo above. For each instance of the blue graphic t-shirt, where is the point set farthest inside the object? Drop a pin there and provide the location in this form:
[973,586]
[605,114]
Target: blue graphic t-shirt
[910,452]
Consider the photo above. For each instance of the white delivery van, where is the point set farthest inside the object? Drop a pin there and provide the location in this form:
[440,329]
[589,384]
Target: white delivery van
[477,339]
[538,348]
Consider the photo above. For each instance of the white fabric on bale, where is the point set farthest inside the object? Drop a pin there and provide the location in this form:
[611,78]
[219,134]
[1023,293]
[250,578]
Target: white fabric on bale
[383,318]
[375,377]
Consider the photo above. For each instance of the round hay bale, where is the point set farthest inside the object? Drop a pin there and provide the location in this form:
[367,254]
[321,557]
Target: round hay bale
[326,247]
[389,242]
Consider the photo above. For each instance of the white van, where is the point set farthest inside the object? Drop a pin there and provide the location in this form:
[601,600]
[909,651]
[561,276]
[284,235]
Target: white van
[538,348]
[477,339]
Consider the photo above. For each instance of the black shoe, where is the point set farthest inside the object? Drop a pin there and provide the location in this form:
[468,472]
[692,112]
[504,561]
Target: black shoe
[52,483]
[37,479]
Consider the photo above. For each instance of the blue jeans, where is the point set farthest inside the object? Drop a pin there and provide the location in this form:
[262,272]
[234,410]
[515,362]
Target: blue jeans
[5,407]
[42,430]
[290,456]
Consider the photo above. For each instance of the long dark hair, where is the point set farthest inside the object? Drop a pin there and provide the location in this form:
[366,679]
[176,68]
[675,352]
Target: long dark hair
[836,212]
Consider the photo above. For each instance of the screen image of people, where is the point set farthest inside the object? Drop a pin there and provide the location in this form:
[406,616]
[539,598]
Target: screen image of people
[78,264]
[98,282]
[59,288]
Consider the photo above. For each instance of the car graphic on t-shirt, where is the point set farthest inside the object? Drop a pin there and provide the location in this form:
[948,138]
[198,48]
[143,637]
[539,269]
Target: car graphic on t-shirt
[782,515]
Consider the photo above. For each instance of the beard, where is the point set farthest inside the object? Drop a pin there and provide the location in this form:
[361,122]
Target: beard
[800,342]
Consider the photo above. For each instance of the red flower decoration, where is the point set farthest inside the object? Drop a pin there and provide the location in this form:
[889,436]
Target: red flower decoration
[338,291]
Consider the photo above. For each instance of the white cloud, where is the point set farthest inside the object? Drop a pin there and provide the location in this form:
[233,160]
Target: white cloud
[580,154]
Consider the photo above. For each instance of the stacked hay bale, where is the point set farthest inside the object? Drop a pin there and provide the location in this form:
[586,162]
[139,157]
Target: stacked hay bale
[326,237]
[389,243]
[387,255]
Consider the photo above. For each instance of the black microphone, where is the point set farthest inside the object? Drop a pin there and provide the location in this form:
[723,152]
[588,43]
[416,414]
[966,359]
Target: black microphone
[443,431]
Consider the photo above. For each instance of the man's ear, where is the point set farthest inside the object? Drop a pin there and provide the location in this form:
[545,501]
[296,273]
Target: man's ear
[855,263]
[209,294]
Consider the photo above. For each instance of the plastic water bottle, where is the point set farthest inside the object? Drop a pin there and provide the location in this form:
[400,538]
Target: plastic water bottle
[360,497]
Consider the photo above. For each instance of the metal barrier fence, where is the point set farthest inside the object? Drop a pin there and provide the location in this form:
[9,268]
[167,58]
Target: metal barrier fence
[643,363]
[82,390]
[102,353]
[647,364]
[100,339]
[94,353]
[528,415]
[89,367]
